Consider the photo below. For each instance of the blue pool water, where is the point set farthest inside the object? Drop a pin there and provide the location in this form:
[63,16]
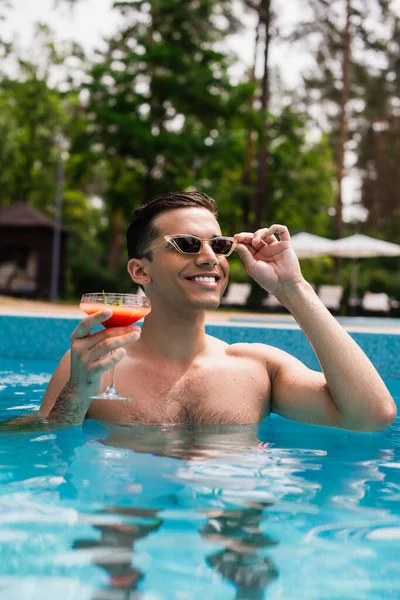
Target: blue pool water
[277,511]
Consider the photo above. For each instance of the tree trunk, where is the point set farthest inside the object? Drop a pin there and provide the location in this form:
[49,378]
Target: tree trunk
[343,133]
[343,124]
[396,128]
[379,150]
[249,144]
[261,185]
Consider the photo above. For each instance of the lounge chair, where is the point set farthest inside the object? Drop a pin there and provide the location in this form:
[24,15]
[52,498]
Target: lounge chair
[237,294]
[271,303]
[8,270]
[376,303]
[331,296]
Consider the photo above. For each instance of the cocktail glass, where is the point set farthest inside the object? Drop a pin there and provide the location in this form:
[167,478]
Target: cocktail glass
[126,310]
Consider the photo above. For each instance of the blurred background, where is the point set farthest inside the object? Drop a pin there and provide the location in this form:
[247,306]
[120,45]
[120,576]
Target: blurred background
[284,112]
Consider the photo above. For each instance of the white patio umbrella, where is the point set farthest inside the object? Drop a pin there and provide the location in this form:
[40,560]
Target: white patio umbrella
[362,246]
[307,245]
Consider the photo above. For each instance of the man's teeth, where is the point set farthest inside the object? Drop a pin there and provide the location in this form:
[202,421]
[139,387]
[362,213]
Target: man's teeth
[206,279]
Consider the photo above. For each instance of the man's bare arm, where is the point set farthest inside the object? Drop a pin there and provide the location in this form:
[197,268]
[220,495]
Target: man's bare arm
[38,421]
[349,393]
[69,407]
[78,376]
[31,422]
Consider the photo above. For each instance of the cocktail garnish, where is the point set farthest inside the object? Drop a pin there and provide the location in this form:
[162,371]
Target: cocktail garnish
[105,299]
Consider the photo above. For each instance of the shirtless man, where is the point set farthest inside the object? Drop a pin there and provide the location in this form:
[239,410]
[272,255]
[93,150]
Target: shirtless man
[178,374]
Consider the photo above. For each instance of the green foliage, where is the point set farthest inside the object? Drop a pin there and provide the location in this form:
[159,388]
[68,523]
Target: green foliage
[154,96]
[237,272]
[300,187]
[155,111]
[379,138]
[301,175]
[375,276]
[29,122]
[88,275]
[319,271]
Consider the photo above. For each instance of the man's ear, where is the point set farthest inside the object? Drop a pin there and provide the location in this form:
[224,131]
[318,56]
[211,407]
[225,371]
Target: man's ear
[138,271]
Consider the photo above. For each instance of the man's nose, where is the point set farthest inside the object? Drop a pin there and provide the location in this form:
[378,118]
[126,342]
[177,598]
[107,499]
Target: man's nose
[206,255]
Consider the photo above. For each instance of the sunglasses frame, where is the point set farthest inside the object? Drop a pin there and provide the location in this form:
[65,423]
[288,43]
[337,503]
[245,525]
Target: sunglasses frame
[171,240]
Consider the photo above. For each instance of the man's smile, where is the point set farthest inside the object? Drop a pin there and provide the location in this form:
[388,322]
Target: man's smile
[206,280]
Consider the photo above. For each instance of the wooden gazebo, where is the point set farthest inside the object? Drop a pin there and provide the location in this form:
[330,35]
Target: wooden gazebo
[26,248]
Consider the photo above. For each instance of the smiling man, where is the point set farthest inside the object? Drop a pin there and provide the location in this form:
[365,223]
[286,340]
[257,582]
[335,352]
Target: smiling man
[176,373]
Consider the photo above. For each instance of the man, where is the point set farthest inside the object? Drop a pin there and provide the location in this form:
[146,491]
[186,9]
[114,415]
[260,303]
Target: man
[178,374]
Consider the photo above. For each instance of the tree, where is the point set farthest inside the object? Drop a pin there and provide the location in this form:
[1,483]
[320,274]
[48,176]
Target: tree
[246,186]
[343,119]
[155,111]
[333,88]
[33,118]
[30,121]
[5,46]
[301,175]
[379,137]
[157,98]
[265,15]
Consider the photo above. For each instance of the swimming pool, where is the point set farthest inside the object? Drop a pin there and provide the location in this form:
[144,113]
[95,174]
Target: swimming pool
[280,511]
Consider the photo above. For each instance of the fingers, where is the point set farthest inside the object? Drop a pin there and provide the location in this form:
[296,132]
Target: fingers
[269,232]
[106,362]
[90,322]
[246,254]
[248,239]
[93,353]
[266,235]
[98,352]
[243,238]
[105,334]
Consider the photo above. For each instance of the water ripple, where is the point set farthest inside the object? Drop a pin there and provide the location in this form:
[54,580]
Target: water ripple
[10,379]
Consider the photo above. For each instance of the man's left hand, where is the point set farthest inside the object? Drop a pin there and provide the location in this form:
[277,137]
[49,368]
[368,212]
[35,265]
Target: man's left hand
[270,261]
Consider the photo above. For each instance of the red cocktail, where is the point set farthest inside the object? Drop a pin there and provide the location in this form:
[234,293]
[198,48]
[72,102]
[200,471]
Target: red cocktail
[122,315]
[126,310]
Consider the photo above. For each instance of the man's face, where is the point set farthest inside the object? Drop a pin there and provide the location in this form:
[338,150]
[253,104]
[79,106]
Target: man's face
[188,280]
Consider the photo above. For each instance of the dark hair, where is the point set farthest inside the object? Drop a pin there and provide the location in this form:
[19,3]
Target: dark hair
[141,231]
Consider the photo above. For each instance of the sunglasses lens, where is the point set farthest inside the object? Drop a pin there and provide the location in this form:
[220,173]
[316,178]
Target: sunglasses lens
[188,244]
[221,245]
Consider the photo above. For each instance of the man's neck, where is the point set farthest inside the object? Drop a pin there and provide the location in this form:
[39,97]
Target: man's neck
[179,336]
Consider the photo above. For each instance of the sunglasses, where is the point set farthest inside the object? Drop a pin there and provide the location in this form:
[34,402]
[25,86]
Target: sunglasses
[191,244]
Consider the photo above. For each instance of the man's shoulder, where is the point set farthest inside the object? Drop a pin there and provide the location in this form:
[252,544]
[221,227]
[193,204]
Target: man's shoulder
[269,355]
[253,349]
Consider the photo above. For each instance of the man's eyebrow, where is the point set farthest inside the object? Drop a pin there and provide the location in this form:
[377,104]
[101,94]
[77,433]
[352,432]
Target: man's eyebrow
[211,237]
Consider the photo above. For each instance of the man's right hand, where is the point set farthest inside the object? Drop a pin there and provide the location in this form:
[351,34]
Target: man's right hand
[78,376]
[93,354]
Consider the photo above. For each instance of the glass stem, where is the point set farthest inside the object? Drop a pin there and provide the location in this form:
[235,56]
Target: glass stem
[110,388]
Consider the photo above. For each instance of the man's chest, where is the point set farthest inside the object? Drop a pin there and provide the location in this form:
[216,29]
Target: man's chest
[232,393]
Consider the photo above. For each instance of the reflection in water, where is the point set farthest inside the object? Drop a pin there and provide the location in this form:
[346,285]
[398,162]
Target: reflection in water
[239,531]
[183,476]
[236,530]
[114,550]
[183,512]
[186,442]
[210,488]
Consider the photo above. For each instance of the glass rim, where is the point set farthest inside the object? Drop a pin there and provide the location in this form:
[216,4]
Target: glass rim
[103,297]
